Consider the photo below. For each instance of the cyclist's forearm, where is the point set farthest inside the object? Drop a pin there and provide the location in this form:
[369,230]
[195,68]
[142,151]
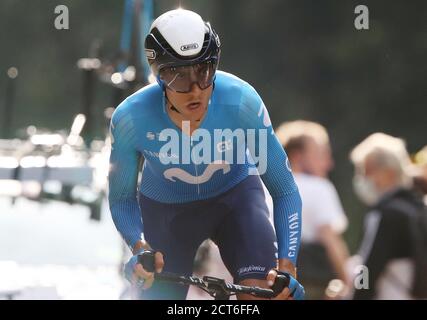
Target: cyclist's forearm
[286,265]
[127,219]
[287,222]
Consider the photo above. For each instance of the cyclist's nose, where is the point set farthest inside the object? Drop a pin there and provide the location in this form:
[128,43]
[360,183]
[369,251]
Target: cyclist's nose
[195,89]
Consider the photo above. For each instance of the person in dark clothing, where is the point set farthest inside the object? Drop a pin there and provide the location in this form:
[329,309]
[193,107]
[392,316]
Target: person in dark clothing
[420,171]
[389,249]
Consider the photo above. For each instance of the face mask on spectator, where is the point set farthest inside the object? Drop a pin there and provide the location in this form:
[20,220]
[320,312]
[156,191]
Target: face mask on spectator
[365,189]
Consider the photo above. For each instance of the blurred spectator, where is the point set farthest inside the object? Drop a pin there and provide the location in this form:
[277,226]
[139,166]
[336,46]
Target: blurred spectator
[394,246]
[420,171]
[323,252]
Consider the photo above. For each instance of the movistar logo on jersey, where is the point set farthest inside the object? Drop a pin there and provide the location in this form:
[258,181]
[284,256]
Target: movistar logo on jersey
[177,173]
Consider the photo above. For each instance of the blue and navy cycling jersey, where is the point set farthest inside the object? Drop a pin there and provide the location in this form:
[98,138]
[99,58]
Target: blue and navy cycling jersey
[180,169]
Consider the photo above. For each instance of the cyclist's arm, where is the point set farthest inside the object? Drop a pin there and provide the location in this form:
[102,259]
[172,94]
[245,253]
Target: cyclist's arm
[123,175]
[276,175]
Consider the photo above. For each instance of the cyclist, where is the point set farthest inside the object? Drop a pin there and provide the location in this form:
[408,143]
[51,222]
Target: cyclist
[198,180]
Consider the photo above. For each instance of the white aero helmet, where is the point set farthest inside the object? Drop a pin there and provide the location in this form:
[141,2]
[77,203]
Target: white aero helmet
[181,38]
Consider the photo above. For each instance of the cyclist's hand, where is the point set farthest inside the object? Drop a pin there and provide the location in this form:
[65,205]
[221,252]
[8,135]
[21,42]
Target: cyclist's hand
[295,291]
[135,273]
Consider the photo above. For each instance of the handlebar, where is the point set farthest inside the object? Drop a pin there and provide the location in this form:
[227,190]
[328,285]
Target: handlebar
[215,287]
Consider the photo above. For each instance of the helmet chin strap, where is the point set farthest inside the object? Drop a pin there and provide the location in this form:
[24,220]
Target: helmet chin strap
[173,108]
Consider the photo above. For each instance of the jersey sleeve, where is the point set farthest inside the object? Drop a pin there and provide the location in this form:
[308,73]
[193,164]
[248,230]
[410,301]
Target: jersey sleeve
[275,171]
[123,176]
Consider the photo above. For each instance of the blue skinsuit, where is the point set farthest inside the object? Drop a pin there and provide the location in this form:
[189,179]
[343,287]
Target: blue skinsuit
[175,171]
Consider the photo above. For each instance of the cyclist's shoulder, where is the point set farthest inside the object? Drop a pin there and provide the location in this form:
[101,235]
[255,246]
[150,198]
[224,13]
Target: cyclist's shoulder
[229,86]
[232,90]
[227,79]
[142,103]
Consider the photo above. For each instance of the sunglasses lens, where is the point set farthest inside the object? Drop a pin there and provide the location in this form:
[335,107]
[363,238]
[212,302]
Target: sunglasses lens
[205,74]
[181,79]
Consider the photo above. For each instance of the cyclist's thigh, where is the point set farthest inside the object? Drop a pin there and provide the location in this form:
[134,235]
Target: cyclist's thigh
[246,238]
[178,255]
[176,230]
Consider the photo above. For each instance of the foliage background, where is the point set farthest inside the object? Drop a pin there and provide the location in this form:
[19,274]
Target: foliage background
[305,58]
